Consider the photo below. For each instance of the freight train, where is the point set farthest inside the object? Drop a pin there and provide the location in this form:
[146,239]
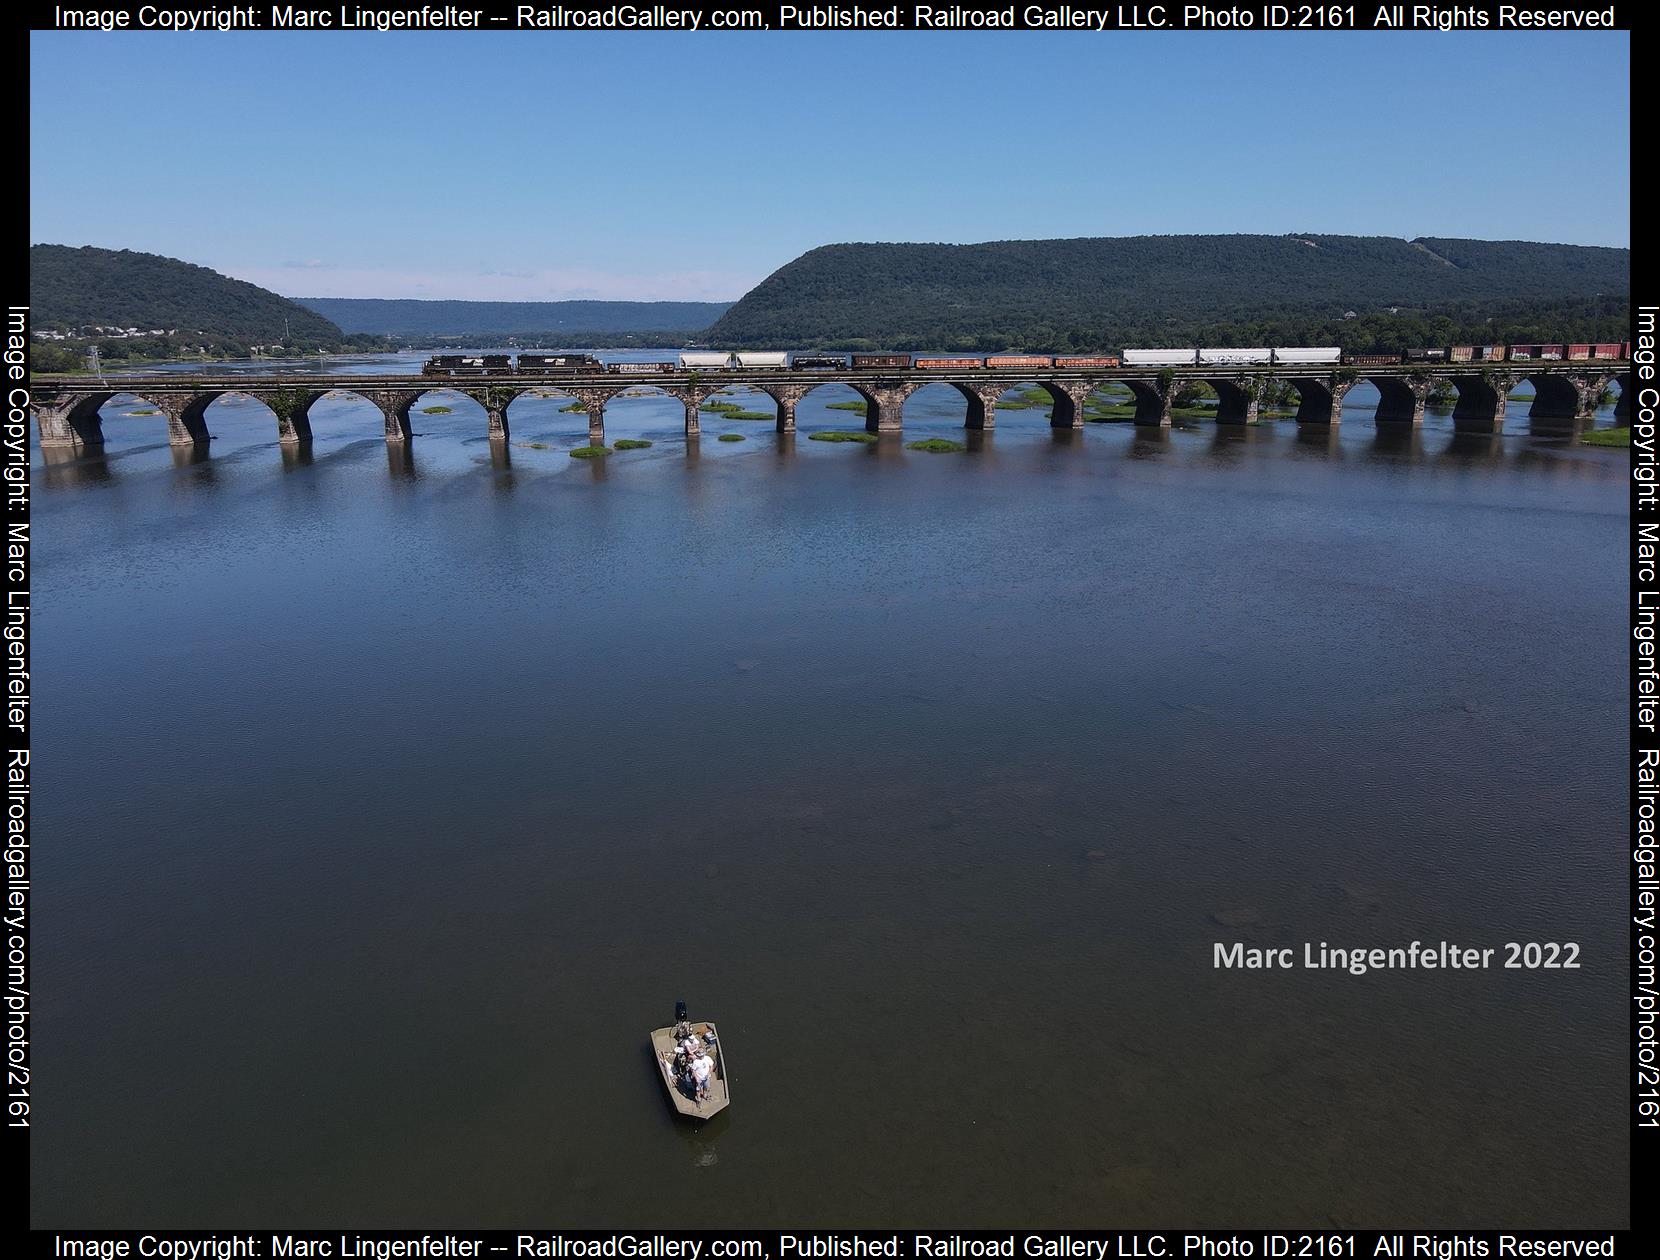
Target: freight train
[541,364]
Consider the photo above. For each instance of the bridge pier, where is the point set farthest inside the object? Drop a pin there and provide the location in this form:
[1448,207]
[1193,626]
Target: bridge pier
[787,396]
[495,400]
[885,405]
[1320,399]
[1070,397]
[1622,408]
[1400,399]
[394,407]
[593,402]
[1481,402]
[1236,399]
[186,422]
[1570,400]
[68,422]
[982,403]
[292,408]
[1152,401]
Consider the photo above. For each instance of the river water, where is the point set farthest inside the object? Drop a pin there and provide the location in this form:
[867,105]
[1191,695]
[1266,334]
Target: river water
[386,799]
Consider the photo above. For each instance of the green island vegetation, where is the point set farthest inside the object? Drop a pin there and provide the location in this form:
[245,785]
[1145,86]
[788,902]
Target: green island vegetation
[852,404]
[437,410]
[534,446]
[590,452]
[140,308]
[630,444]
[1606,397]
[144,411]
[731,437]
[1442,394]
[732,410]
[1104,293]
[576,404]
[1606,437]
[936,446]
[841,435]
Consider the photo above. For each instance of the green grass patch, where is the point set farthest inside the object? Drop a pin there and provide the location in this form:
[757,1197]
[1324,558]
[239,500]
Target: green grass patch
[1037,396]
[590,452]
[937,446]
[841,435]
[576,404]
[439,410]
[1607,437]
[734,411]
[630,444]
[144,411]
[731,437]
[852,404]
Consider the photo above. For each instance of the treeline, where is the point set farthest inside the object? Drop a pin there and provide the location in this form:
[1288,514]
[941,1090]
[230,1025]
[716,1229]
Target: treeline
[1103,293]
[74,354]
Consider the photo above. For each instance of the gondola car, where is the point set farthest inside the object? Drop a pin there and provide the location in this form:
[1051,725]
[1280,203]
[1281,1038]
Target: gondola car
[1372,360]
[1086,360]
[878,362]
[1020,361]
[819,362]
[947,365]
[641,369]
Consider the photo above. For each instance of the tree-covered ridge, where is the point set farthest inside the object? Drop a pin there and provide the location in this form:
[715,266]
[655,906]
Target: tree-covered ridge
[76,290]
[410,317]
[1106,292]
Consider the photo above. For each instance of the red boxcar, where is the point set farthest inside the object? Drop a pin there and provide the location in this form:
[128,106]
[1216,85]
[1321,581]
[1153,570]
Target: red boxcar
[1551,351]
[1019,361]
[1372,360]
[947,365]
[1606,350]
[1578,352]
[881,360]
[1086,360]
[1625,349]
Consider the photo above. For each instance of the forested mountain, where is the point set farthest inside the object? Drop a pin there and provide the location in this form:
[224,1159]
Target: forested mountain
[398,317]
[1107,292]
[76,291]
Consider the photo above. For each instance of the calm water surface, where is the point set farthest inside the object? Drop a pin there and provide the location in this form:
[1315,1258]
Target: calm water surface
[388,798]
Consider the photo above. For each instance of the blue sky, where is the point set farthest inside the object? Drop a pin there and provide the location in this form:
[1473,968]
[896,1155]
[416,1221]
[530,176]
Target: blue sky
[541,166]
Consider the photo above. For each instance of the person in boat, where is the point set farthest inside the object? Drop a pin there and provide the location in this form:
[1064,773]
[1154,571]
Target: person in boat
[703,1071]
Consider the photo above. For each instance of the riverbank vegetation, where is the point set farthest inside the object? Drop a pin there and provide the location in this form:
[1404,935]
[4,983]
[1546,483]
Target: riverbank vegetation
[1606,437]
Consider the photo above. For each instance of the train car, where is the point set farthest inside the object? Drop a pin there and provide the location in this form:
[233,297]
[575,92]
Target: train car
[762,358]
[1020,361]
[872,361]
[1460,354]
[1159,358]
[706,360]
[819,362]
[468,365]
[1427,354]
[1372,360]
[1606,350]
[1086,360]
[639,369]
[1552,350]
[442,365]
[534,364]
[1625,349]
[1580,351]
[949,365]
[1308,354]
[1235,355]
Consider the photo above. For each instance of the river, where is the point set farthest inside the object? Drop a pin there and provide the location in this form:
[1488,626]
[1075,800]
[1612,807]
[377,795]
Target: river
[386,798]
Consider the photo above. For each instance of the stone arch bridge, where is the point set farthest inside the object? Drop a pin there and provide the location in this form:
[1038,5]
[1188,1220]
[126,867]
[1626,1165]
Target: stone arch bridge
[66,408]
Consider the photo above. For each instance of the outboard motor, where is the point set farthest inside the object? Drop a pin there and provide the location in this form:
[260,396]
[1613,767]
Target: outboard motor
[679,1012]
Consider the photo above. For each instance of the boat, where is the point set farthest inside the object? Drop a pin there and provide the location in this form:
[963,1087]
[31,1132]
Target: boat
[663,1048]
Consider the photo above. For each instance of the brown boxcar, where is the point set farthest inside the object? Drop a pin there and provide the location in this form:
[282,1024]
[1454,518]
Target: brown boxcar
[1019,360]
[1372,360]
[1489,352]
[881,360]
[1461,354]
[1086,360]
[948,365]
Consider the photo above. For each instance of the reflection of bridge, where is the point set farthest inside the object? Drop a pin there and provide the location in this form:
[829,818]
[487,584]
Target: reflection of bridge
[66,407]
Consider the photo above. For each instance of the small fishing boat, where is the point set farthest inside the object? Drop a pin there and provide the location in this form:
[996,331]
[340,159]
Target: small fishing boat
[683,1092]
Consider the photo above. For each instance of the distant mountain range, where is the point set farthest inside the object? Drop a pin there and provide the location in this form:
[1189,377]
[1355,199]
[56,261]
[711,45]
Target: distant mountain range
[1103,292]
[405,317]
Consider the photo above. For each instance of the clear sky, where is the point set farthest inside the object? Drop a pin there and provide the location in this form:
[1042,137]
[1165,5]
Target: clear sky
[541,166]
